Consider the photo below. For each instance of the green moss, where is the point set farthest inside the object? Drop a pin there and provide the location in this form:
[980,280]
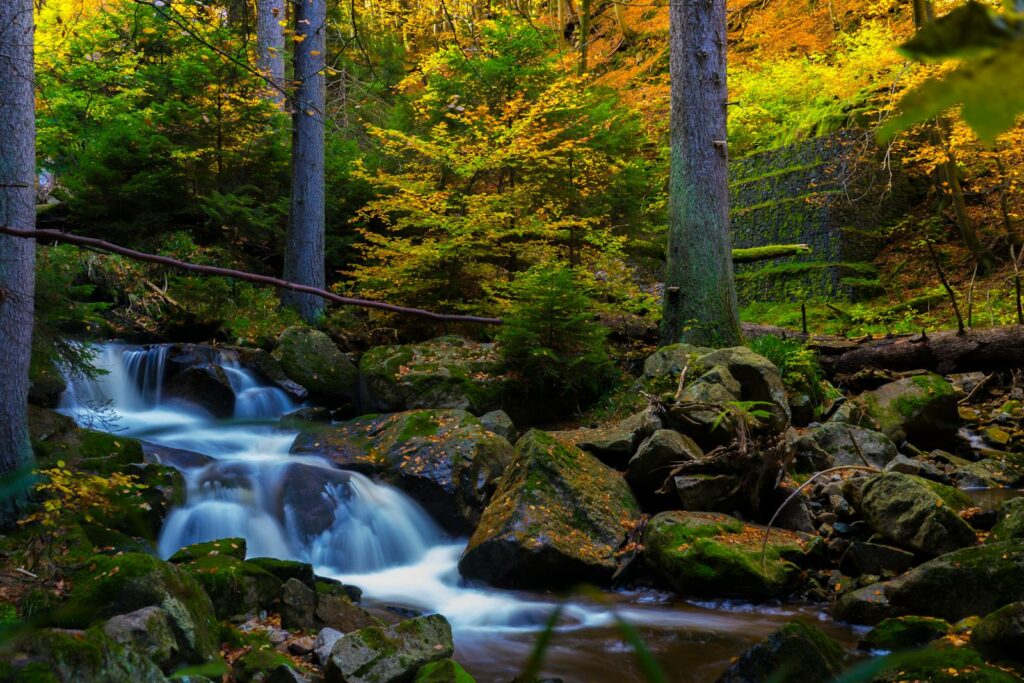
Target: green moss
[232,547]
[420,423]
[234,586]
[905,633]
[942,663]
[258,662]
[443,671]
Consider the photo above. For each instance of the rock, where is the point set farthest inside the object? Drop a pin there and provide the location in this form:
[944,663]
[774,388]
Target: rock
[1001,633]
[904,633]
[230,547]
[996,470]
[46,383]
[312,360]
[710,554]
[500,423]
[447,372]
[702,409]
[148,632]
[339,613]
[177,458]
[759,380]
[109,586]
[940,662]
[286,569]
[916,514]
[445,459]
[301,646]
[649,469]
[235,587]
[443,671]
[803,408]
[918,468]
[920,409]
[706,492]
[614,445]
[284,673]
[874,559]
[795,652]
[262,664]
[55,437]
[1011,521]
[956,585]
[303,418]
[51,655]
[667,363]
[557,518]
[206,386]
[306,499]
[389,655]
[267,366]
[298,606]
[324,643]
[836,444]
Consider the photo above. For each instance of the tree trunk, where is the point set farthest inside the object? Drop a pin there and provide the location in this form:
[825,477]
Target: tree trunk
[304,252]
[584,35]
[700,293]
[17,256]
[270,18]
[238,15]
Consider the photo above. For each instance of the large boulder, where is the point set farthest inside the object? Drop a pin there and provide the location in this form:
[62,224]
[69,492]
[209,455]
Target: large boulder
[916,514]
[235,587]
[904,633]
[796,652]
[920,409]
[1010,524]
[445,459]
[998,469]
[389,655]
[312,360]
[758,378]
[835,444]
[557,518]
[447,372]
[305,497]
[74,657]
[959,584]
[206,386]
[703,411]
[712,554]
[940,662]
[615,444]
[650,468]
[147,631]
[1001,634]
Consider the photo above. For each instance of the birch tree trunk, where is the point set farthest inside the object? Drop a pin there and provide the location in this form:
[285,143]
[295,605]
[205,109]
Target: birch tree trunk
[17,255]
[304,251]
[700,293]
[271,16]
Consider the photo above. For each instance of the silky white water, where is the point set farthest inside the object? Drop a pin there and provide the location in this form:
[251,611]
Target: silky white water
[374,536]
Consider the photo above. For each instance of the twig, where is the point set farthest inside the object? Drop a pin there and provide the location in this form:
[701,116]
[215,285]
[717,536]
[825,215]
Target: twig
[977,387]
[949,290]
[1016,281]
[26,572]
[970,299]
[856,447]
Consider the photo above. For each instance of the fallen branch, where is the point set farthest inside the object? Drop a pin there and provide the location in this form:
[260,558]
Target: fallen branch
[100,245]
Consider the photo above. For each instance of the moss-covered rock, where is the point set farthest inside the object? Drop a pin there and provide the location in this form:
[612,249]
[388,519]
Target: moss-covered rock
[796,652]
[445,459]
[229,547]
[56,437]
[62,656]
[312,360]
[615,444]
[108,586]
[758,378]
[337,611]
[976,580]
[921,409]
[235,587]
[1010,524]
[655,457]
[904,633]
[557,518]
[147,631]
[443,671]
[259,664]
[389,655]
[836,444]
[1001,633]
[996,470]
[916,514]
[46,383]
[713,554]
[286,569]
[941,663]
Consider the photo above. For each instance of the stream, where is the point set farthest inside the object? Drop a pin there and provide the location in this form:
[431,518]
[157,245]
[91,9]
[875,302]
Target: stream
[383,542]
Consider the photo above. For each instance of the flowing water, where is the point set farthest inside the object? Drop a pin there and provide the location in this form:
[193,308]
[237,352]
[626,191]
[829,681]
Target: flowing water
[379,539]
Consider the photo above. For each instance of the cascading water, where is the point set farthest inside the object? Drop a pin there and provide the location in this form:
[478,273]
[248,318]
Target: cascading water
[245,484]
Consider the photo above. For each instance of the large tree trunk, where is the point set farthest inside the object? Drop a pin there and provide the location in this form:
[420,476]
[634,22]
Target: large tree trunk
[271,16]
[17,256]
[700,294]
[304,252]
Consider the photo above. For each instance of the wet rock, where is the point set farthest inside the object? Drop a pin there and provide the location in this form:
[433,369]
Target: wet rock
[177,458]
[614,445]
[920,409]
[443,671]
[338,612]
[324,643]
[1010,524]
[305,417]
[500,423]
[558,517]
[285,569]
[706,492]
[904,633]
[263,664]
[270,370]
[1001,633]
[206,386]
[795,652]
[759,380]
[916,514]
[711,554]
[298,606]
[649,469]
[308,498]
[872,558]
[447,372]
[235,587]
[389,655]
[64,655]
[147,631]
[835,444]
[312,360]
[968,581]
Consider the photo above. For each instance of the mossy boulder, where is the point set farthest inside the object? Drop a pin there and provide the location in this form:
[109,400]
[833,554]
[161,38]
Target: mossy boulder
[445,459]
[998,469]
[313,361]
[1010,524]
[235,587]
[140,513]
[286,569]
[557,518]
[228,547]
[443,671]
[706,554]
[976,580]
[259,665]
[389,655]
[702,409]
[46,383]
[668,362]
[835,444]
[1001,633]
[56,437]
[916,514]
[615,444]
[66,656]
[941,662]
[796,652]
[904,633]
[147,631]
[446,372]
[758,378]
[920,409]
[120,584]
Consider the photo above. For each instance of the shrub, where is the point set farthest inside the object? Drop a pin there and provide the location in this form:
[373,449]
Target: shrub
[798,365]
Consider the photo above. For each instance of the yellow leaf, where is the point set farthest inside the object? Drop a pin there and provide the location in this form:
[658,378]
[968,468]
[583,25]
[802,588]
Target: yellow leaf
[148,30]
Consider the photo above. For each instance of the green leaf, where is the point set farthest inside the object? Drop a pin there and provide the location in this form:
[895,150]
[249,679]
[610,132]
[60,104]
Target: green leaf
[966,31]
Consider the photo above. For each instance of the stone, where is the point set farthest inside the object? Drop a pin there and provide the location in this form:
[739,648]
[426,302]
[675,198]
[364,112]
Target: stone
[872,558]
[147,631]
[309,358]
[614,445]
[669,361]
[921,409]
[500,423]
[301,646]
[324,643]
[558,517]
[339,613]
[236,587]
[265,365]
[796,652]
[708,554]
[941,662]
[230,547]
[904,633]
[706,492]
[389,655]
[759,380]
[655,457]
[286,569]
[1010,524]
[1001,633]
[46,383]
[306,496]
[260,664]
[835,444]
[47,655]
[997,469]
[443,671]
[701,410]
[298,606]
[916,467]
[916,514]
[206,386]
[969,581]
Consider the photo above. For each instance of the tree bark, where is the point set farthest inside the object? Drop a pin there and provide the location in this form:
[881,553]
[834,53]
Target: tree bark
[700,292]
[304,251]
[270,18]
[17,256]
